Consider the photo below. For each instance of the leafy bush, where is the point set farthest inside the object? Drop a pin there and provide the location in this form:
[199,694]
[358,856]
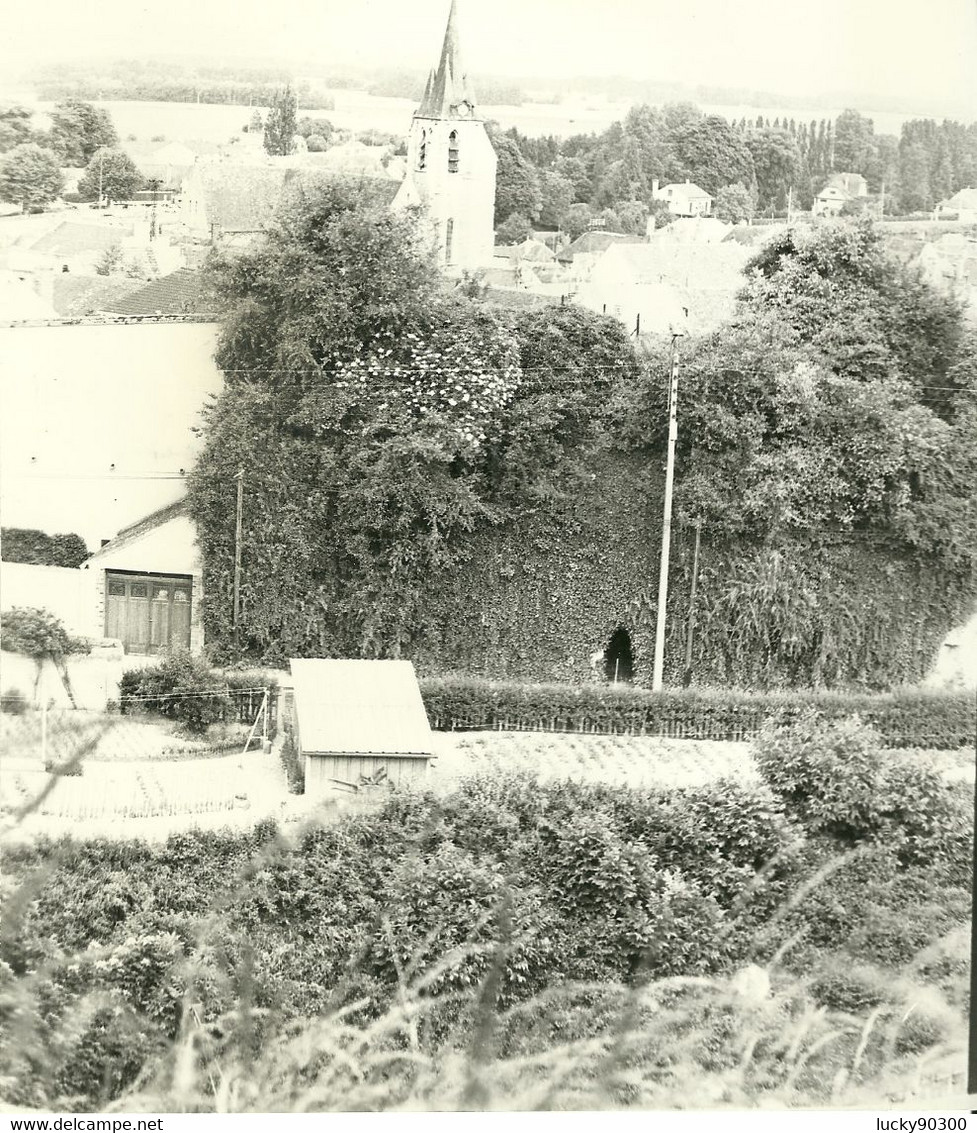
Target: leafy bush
[181,687]
[38,633]
[903,718]
[832,776]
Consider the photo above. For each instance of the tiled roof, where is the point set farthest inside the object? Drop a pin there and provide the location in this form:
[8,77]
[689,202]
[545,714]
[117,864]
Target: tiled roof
[688,189]
[72,239]
[597,241]
[141,526]
[179,293]
[359,706]
[78,295]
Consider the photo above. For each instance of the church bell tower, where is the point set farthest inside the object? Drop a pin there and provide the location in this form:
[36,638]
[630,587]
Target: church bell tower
[451,162]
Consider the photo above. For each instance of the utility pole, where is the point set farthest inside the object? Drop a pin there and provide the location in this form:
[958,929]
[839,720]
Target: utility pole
[790,201]
[101,163]
[237,559]
[882,201]
[659,664]
[154,184]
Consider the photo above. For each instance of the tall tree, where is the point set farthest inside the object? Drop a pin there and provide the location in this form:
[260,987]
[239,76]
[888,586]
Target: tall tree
[711,153]
[112,173]
[853,142]
[30,177]
[281,125]
[516,181]
[776,163]
[78,129]
[15,127]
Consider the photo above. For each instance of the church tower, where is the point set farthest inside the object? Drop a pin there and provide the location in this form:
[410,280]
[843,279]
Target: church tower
[451,162]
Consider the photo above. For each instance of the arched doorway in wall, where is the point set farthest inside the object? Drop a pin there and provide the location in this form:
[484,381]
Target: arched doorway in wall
[619,657]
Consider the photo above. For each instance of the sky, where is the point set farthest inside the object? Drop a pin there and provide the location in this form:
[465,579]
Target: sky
[795,47]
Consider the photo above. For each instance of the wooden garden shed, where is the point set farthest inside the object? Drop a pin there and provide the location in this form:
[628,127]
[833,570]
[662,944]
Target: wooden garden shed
[357,720]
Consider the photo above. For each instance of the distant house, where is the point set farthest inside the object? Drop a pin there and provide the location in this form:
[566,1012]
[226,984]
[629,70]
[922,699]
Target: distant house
[148,584]
[854,184]
[839,189]
[683,198]
[830,201]
[962,204]
[359,720]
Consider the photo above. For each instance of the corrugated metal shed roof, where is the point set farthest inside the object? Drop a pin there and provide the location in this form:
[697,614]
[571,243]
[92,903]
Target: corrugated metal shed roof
[357,707]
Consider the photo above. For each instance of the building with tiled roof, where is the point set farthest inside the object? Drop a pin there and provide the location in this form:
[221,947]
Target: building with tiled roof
[683,198]
[597,241]
[74,295]
[179,293]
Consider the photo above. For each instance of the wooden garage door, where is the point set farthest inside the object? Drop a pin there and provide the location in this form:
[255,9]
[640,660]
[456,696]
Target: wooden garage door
[148,613]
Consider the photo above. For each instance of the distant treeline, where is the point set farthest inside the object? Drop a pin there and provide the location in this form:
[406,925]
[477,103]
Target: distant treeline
[218,93]
[410,84]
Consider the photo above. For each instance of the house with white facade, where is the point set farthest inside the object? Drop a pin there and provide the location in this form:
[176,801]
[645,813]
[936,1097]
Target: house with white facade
[683,198]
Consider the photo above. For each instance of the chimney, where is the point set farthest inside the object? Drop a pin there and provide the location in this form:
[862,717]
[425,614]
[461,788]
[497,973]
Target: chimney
[654,187]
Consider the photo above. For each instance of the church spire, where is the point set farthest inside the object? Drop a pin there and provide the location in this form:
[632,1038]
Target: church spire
[449,93]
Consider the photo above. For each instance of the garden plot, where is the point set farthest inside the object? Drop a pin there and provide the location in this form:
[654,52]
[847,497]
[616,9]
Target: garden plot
[634,761]
[121,798]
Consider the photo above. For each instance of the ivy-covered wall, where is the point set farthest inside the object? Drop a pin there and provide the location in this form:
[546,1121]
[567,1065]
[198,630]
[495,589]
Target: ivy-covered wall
[538,597]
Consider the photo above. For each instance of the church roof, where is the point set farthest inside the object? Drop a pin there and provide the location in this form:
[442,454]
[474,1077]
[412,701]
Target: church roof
[448,93]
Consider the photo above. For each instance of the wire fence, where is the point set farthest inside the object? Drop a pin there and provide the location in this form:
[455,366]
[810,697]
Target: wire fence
[170,727]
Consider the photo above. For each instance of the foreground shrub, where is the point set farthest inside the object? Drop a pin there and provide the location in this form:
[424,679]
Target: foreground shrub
[835,780]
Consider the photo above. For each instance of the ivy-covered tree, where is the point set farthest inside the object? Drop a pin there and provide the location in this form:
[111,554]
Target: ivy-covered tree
[379,423]
[359,402]
[868,314]
[821,408]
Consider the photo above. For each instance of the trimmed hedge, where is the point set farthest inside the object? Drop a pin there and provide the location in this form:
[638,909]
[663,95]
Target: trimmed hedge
[27,545]
[909,718]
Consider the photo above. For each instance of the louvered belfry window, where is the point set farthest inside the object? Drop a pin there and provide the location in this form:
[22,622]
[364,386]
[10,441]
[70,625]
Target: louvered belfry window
[422,151]
[453,152]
